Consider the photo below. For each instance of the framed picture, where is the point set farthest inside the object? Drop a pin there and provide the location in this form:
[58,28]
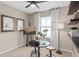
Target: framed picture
[6,23]
[20,24]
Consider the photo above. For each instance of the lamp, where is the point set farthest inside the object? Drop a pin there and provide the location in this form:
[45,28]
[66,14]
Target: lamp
[60,26]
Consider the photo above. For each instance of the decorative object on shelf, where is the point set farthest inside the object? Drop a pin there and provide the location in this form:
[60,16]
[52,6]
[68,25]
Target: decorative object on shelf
[7,23]
[60,26]
[20,24]
[74,21]
[74,28]
[29,30]
[77,15]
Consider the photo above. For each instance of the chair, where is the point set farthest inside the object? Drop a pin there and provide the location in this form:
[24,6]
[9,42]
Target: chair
[50,48]
[36,51]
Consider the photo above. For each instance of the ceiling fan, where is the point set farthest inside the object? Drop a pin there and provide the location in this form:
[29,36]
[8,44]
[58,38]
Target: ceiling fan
[34,4]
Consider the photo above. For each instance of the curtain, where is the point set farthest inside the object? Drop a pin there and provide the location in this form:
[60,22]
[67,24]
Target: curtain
[37,21]
[54,31]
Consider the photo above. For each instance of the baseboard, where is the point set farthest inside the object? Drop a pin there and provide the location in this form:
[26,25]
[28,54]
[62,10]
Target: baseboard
[73,54]
[11,49]
[68,51]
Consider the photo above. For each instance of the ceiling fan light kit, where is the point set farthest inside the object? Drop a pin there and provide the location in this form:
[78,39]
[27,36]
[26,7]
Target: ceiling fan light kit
[32,5]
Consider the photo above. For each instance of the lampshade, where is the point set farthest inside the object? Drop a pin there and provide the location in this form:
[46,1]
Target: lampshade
[60,26]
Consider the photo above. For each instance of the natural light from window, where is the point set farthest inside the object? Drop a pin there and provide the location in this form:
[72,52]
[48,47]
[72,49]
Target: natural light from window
[45,23]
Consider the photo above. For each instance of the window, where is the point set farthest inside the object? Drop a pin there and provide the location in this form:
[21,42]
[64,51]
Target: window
[45,23]
[20,24]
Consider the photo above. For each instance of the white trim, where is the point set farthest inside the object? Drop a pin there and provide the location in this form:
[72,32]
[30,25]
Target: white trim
[68,51]
[73,54]
[24,44]
[10,49]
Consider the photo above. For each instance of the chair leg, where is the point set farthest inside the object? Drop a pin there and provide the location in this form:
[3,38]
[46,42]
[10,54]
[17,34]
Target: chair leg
[50,55]
[38,51]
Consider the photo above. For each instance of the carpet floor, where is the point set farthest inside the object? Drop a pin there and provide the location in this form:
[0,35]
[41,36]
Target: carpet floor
[26,52]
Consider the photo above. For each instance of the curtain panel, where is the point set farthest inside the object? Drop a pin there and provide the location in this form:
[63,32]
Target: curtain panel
[37,21]
[55,16]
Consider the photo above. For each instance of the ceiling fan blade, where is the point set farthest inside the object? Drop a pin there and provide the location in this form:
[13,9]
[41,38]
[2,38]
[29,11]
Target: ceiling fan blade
[27,6]
[36,1]
[40,1]
[37,6]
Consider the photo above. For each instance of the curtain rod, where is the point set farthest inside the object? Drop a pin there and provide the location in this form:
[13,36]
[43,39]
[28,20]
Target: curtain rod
[47,10]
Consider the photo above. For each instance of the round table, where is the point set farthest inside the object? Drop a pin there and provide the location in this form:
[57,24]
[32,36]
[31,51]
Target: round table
[43,43]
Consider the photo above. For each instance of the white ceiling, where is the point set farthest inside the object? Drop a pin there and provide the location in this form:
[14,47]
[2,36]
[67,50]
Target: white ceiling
[20,5]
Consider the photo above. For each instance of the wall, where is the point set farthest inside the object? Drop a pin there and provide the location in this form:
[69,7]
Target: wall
[65,41]
[10,40]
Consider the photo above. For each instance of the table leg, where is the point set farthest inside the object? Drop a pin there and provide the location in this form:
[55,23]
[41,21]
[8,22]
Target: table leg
[31,37]
[50,53]
[35,49]
[27,41]
[38,51]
